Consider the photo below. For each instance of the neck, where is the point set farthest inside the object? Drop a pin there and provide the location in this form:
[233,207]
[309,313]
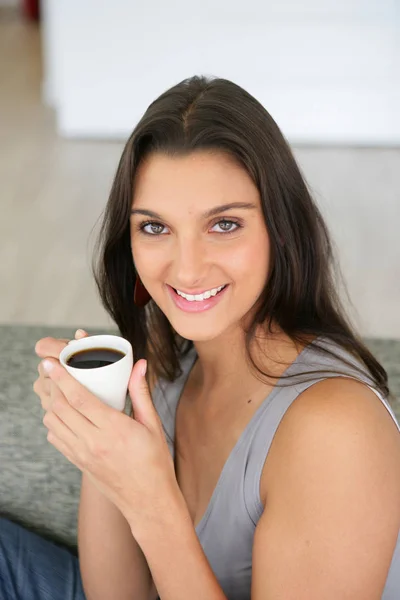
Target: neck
[222,363]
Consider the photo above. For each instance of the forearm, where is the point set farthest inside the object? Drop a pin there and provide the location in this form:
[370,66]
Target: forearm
[179,567]
[111,562]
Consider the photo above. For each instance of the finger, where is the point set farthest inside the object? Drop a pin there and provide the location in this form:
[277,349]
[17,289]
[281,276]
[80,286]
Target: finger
[46,394]
[80,333]
[68,418]
[42,372]
[52,347]
[143,407]
[41,388]
[54,423]
[62,447]
[49,347]
[79,397]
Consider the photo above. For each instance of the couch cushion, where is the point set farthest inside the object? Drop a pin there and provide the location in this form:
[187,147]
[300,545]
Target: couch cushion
[39,486]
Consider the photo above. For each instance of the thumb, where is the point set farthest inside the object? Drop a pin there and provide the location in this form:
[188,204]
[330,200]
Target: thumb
[80,333]
[143,407]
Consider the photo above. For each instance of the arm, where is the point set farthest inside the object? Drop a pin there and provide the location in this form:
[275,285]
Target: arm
[111,562]
[332,512]
[175,556]
[118,557]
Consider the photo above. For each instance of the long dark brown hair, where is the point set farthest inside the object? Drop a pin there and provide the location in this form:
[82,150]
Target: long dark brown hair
[301,290]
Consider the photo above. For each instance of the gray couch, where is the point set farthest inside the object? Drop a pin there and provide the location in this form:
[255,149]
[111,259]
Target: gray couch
[39,486]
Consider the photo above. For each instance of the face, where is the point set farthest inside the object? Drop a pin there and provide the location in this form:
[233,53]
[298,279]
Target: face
[183,240]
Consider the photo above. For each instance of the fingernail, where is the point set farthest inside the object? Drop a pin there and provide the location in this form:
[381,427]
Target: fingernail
[47,365]
[79,332]
[143,368]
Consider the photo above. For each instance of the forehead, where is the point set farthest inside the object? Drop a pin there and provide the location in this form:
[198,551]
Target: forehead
[199,179]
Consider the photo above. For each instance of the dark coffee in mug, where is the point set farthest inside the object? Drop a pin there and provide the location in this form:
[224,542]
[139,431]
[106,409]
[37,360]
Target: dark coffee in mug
[92,358]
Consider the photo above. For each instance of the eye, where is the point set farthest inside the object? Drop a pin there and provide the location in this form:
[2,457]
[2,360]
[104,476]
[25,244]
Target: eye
[151,228]
[226,226]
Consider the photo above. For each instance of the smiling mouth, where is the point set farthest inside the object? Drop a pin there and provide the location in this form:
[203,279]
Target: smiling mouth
[200,297]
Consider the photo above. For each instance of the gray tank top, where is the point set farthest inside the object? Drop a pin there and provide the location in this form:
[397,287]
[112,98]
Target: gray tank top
[227,528]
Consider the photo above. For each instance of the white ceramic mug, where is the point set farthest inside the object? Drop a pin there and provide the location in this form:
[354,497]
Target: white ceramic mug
[108,383]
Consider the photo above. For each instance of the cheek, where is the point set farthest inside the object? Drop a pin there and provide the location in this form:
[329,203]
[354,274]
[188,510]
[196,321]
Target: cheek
[148,258]
[251,260]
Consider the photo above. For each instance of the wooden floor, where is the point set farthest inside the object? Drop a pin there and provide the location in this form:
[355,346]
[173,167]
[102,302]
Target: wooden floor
[53,191]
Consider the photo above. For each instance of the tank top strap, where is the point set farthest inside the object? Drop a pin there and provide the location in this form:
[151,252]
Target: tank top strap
[271,413]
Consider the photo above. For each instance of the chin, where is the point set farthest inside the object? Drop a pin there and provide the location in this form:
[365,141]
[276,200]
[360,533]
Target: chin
[198,333]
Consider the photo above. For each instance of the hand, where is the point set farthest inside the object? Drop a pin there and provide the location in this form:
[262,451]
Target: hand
[49,348]
[126,458]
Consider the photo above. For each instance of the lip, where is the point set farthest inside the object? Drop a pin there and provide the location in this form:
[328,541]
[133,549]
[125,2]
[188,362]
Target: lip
[194,306]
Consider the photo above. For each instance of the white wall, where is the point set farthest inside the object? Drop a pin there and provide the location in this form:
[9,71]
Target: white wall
[327,70]
[53,49]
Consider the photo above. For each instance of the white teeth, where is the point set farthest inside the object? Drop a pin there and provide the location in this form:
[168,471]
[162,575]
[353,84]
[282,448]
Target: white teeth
[200,297]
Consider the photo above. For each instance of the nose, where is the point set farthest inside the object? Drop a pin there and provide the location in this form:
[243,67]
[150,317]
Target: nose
[190,264]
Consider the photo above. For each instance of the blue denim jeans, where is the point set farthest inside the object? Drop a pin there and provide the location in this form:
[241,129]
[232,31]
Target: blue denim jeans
[32,568]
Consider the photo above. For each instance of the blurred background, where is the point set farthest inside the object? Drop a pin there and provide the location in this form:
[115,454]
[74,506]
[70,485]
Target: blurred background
[76,76]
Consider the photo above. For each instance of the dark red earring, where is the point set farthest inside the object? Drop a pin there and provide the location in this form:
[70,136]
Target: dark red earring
[140,295]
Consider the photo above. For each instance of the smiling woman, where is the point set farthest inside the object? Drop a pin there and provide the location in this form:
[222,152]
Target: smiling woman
[261,382]
[264,457]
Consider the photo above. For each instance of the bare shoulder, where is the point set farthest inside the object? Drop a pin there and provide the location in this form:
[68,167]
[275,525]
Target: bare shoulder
[333,465]
[337,410]
[350,401]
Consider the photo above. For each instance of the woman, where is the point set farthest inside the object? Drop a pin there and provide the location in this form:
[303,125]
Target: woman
[265,463]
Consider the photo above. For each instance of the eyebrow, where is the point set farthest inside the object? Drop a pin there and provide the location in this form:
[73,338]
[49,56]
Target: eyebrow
[209,213]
